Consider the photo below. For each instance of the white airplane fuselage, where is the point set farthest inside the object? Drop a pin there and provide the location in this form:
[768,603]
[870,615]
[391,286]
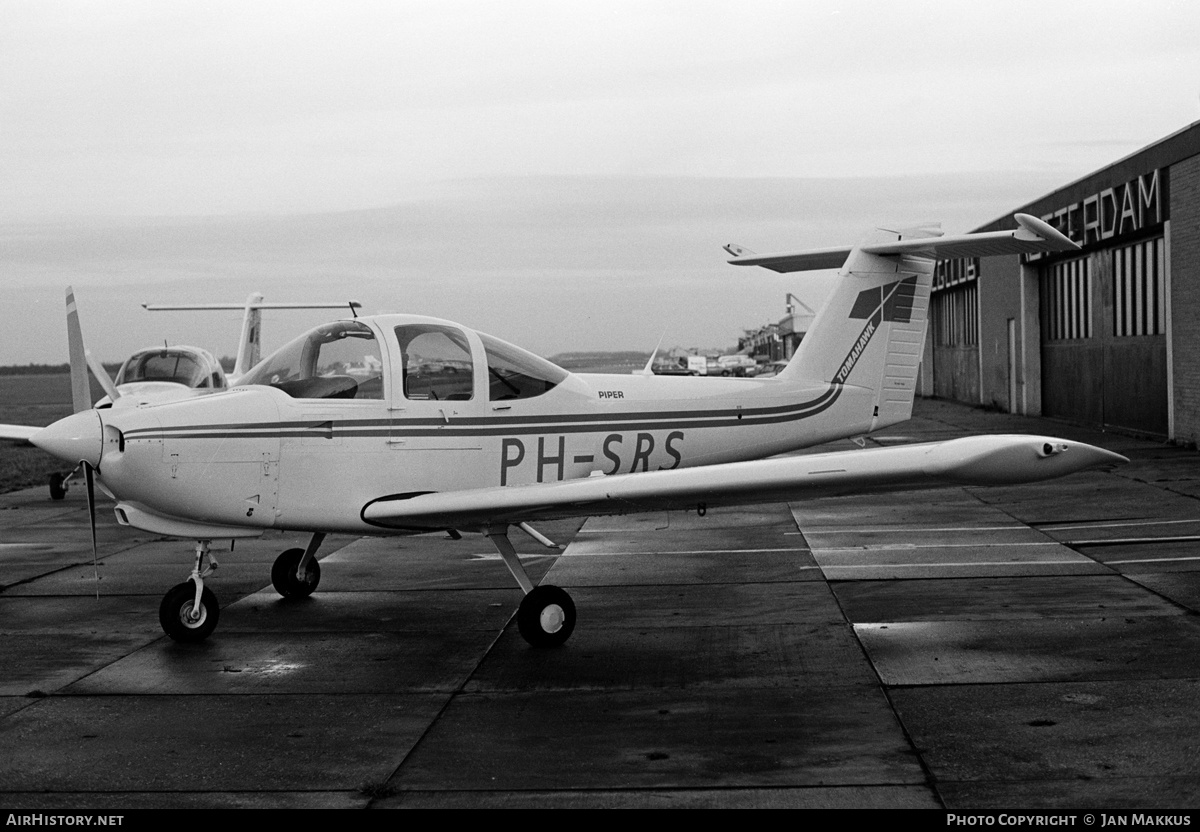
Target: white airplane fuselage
[255,457]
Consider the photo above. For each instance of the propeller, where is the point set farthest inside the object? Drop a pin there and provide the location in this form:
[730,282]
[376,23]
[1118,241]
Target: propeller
[81,399]
[89,474]
[81,391]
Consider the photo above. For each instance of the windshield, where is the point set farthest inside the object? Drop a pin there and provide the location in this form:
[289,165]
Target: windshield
[178,366]
[335,361]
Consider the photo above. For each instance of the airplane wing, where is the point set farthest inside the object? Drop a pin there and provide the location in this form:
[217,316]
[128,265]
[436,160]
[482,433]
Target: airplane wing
[1031,235]
[974,460]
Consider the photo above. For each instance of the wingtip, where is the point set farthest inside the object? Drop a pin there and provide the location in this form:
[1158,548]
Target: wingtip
[1043,230]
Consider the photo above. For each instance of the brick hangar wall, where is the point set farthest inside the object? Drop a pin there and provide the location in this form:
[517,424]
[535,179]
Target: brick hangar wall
[1185,297]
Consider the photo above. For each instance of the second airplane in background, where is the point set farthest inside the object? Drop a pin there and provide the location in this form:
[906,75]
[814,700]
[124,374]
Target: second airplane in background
[166,373]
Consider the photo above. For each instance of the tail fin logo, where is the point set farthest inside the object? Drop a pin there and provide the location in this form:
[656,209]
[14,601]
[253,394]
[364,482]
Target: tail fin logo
[893,302]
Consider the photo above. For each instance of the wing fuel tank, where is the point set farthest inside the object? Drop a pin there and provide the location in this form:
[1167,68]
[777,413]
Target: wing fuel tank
[1010,460]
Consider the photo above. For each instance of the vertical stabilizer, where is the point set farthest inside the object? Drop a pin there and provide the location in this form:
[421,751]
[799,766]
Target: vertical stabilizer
[250,343]
[871,331]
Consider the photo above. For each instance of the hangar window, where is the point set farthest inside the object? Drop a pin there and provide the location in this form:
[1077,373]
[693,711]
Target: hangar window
[1067,299]
[1139,289]
[956,316]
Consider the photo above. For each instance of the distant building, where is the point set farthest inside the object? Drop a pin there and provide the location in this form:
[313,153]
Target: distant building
[778,342]
[1108,335]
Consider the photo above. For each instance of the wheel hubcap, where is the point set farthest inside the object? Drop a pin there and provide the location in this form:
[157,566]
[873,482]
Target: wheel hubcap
[191,618]
[552,618]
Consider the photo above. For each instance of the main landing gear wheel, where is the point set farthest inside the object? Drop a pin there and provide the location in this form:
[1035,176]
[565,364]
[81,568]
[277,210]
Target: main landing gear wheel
[58,486]
[546,616]
[283,575]
[178,618]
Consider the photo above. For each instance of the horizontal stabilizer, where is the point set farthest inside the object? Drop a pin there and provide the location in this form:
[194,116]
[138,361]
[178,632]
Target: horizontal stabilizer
[1031,235]
[975,460]
[192,307]
[797,261]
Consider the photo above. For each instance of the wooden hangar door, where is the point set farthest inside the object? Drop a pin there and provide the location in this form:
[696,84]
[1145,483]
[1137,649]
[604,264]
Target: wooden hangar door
[1104,349]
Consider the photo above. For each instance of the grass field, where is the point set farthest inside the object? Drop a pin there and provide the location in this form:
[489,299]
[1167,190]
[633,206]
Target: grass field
[32,400]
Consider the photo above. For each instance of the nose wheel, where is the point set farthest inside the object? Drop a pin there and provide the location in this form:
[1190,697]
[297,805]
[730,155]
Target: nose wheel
[189,611]
[185,621]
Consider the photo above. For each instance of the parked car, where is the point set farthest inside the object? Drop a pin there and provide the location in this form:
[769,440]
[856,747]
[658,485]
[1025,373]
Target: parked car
[735,365]
[771,370]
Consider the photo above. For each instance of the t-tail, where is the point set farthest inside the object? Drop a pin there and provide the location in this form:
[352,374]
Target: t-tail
[870,333]
[249,350]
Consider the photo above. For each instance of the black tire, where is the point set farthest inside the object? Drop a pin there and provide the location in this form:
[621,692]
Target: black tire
[173,613]
[58,486]
[546,617]
[283,575]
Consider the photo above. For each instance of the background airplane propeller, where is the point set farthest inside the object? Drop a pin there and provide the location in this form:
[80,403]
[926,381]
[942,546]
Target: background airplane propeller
[82,360]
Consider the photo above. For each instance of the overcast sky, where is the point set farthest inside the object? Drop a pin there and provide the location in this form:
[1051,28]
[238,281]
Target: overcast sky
[562,174]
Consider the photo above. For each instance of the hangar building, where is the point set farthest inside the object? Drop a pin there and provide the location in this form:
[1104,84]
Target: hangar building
[1108,335]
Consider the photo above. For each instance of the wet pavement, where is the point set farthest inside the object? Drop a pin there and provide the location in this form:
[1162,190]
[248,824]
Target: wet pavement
[968,649]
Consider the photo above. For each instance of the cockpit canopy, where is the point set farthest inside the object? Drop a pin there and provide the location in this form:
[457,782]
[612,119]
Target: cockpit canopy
[439,362]
[189,366]
[340,360]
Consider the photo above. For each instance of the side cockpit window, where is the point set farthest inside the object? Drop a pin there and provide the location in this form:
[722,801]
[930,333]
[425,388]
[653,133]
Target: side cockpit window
[437,363]
[336,361]
[514,373]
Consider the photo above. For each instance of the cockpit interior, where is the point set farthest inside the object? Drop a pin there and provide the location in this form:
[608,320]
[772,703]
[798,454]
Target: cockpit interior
[343,360]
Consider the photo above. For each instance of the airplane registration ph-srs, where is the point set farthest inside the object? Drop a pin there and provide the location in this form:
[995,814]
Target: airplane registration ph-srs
[399,424]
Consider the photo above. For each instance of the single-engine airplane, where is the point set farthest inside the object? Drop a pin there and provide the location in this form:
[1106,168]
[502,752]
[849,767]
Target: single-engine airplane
[400,424]
[161,374]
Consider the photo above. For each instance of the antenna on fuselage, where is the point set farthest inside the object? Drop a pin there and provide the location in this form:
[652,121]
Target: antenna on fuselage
[648,370]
